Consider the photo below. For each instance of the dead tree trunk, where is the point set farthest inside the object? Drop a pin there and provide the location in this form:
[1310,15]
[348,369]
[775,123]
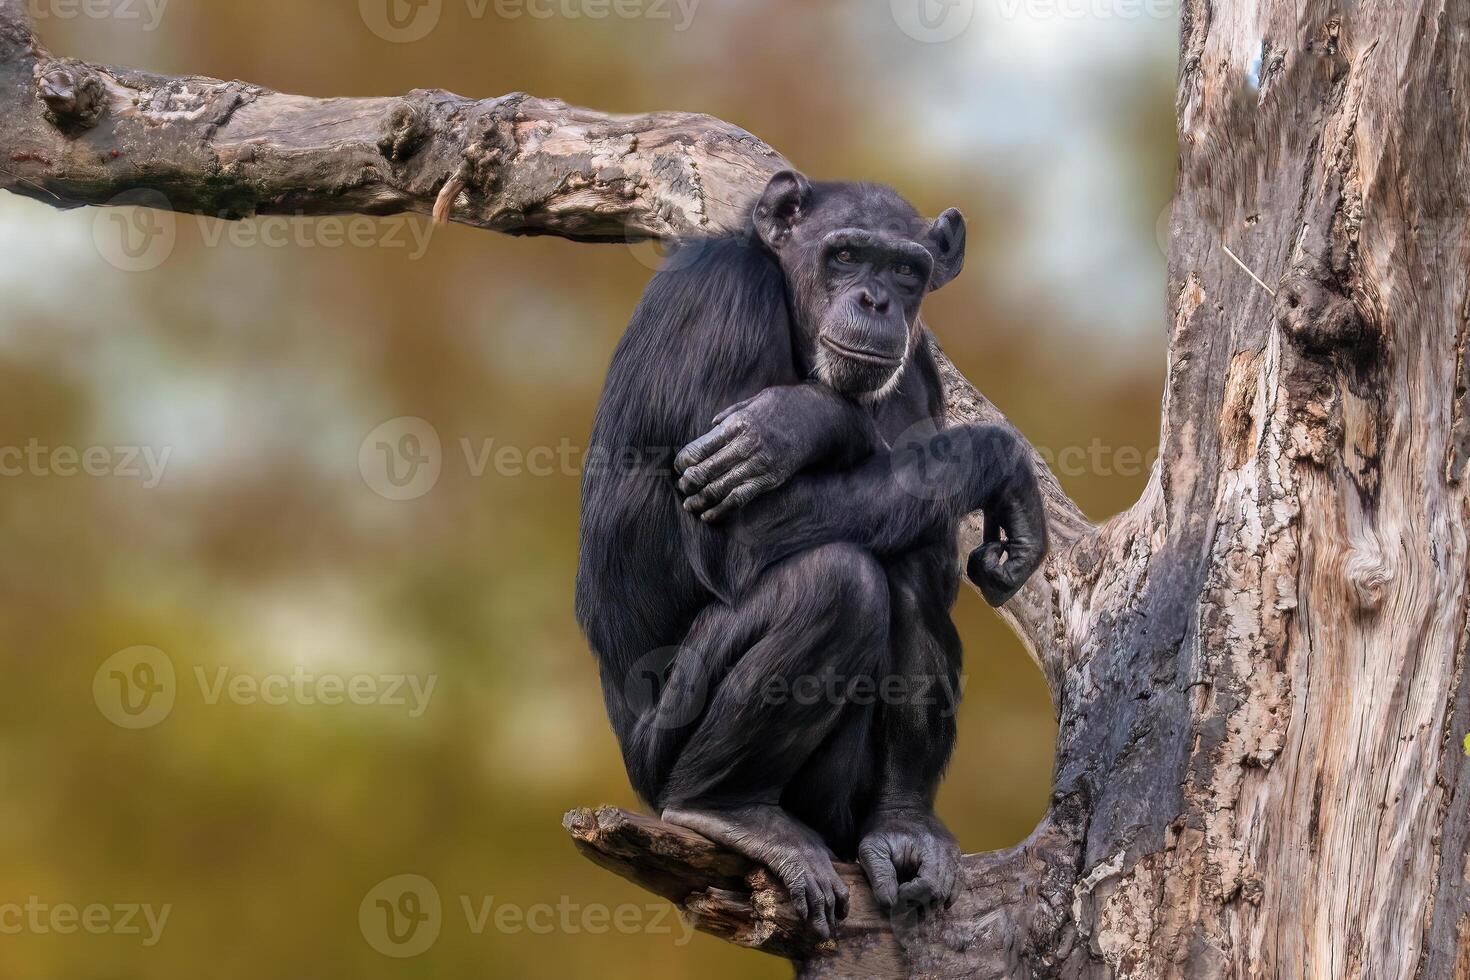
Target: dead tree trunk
[1258,668]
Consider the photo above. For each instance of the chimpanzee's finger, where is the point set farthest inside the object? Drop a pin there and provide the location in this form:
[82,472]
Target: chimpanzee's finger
[698,479]
[797,890]
[724,473]
[705,446]
[987,569]
[737,499]
[818,916]
[939,869]
[843,897]
[918,894]
[877,861]
[731,411]
[829,912]
[948,882]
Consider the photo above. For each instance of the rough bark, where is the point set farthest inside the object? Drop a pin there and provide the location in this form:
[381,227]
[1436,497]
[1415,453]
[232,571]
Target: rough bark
[1258,668]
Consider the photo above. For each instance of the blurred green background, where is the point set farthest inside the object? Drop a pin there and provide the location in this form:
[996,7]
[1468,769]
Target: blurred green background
[260,361]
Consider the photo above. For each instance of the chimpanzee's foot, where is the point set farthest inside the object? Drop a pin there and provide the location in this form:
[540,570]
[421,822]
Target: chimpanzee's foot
[793,851]
[911,859]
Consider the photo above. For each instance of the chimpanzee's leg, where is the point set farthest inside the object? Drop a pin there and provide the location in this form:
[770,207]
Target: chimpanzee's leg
[911,859]
[896,754]
[834,790]
[764,668]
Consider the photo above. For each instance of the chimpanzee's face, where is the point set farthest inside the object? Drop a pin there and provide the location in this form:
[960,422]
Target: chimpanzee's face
[858,261]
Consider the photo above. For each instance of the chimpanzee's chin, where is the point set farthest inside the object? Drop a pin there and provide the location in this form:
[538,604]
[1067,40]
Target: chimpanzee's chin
[854,378]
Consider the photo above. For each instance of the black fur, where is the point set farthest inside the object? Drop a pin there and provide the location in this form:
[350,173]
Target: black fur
[844,568]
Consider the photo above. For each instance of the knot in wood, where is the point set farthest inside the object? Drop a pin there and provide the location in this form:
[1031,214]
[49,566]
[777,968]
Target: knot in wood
[74,95]
[1319,319]
[403,132]
[1369,574]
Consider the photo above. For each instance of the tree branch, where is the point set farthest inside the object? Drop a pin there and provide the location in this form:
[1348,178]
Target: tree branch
[719,891]
[76,134]
[79,134]
[1008,897]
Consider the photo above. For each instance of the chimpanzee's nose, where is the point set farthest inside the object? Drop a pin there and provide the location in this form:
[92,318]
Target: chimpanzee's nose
[878,304]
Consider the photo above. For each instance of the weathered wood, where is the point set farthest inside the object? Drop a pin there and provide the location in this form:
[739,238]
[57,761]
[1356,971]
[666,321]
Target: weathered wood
[1258,668]
[1004,899]
[77,134]
[720,892]
[1311,510]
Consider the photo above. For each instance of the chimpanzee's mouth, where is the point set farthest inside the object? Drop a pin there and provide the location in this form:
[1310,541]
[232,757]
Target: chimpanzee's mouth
[858,354]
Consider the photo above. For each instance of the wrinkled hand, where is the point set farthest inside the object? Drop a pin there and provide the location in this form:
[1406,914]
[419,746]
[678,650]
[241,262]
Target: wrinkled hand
[1000,567]
[911,859]
[756,446]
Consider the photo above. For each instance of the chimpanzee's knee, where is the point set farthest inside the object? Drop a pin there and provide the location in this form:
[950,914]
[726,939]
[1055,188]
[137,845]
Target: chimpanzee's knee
[843,592]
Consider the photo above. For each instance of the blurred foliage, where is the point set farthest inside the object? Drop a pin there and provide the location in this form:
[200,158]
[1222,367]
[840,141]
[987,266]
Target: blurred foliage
[261,370]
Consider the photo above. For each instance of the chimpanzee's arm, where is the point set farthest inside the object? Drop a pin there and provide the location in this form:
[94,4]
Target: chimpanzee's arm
[762,442]
[900,498]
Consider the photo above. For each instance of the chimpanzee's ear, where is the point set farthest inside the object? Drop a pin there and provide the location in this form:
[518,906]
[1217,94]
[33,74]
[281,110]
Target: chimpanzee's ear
[947,243]
[781,207]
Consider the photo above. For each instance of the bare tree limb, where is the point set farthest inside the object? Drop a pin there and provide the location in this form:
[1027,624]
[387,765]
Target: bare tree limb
[1005,898]
[1259,669]
[84,134]
[77,134]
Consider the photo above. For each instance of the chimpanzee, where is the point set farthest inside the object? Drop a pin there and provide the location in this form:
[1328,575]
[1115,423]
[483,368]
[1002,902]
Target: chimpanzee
[769,600]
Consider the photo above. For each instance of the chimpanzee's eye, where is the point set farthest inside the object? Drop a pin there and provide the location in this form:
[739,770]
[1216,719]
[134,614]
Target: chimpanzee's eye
[905,270]
[846,257]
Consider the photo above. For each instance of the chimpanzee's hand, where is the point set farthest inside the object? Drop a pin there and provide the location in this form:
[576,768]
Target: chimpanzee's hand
[760,443]
[911,859]
[1001,567]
